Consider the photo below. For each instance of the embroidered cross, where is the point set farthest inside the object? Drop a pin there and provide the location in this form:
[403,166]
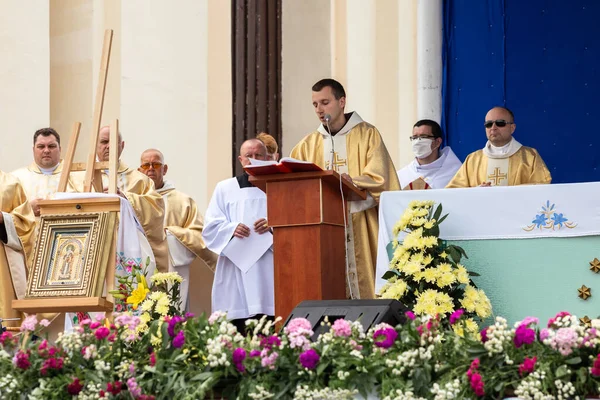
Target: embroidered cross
[496,176]
[337,162]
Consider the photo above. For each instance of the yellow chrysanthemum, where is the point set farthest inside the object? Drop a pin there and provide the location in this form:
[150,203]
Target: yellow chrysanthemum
[475,300]
[430,275]
[395,291]
[443,254]
[462,275]
[444,268]
[168,277]
[147,305]
[429,224]
[431,302]
[428,259]
[471,326]
[419,221]
[412,268]
[162,302]
[446,279]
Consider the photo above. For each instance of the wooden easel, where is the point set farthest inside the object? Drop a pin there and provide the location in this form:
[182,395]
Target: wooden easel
[93,178]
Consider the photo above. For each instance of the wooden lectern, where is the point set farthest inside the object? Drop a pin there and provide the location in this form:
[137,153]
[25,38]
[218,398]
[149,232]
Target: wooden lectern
[306,212]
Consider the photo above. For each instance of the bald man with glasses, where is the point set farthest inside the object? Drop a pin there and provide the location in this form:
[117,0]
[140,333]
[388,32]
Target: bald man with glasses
[183,223]
[503,161]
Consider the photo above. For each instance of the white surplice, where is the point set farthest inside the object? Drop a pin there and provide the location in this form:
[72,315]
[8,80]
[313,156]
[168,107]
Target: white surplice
[240,294]
[437,174]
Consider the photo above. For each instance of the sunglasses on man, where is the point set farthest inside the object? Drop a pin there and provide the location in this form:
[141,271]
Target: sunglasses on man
[154,165]
[500,123]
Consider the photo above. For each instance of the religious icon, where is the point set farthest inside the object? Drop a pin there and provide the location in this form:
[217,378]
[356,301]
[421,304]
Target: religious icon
[72,253]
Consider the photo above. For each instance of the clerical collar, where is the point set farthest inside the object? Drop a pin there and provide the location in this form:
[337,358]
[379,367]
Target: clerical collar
[347,117]
[48,171]
[434,164]
[243,181]
[505,151]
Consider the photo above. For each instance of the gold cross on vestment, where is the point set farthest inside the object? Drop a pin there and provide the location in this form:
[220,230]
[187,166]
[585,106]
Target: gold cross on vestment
[496,176]
[337,162]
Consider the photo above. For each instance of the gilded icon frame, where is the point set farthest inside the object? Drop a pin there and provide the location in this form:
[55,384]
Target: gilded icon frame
[72,254]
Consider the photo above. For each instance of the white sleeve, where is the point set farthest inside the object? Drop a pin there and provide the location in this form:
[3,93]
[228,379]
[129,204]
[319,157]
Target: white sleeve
[218,230]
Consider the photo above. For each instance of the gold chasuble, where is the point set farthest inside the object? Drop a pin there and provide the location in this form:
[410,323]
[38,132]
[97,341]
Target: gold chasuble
[147,204]
[38,185]
[183,221]
[16,232]
[361,153]
[510,165]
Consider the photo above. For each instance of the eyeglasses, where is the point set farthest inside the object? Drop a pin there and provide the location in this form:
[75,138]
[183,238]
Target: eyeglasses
[500,123]
[413,138]
[154,165]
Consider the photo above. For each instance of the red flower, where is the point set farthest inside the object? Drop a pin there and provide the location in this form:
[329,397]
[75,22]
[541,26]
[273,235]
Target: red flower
[74,387]
[21,360]
[152,359]
[527,366]
[114,388]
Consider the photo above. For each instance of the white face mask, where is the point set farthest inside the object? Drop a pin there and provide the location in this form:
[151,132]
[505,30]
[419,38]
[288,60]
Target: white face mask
[422,148]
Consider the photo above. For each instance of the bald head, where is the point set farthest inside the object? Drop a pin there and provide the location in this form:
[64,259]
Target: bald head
[252,148]
[102,148]
[152,164]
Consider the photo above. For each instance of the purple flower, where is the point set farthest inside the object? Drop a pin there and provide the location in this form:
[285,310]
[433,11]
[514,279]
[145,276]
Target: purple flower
[342,328]
[189,315]
[544,333]
[179,340]
[172,324]
[483,334]
[309,359]
[523,335]
[455,316]
[255,353]
[411,315]
[269,341]
[238,355]
[385,337]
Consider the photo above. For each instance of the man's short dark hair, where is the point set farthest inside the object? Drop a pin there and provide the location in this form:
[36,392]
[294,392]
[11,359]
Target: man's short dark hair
[436,129]
[336,87]
[512,116]
[46,132]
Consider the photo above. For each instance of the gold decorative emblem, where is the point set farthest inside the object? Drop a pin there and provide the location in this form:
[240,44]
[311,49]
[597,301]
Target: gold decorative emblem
[595,265]
[497,176]
[584,292]
[586,321]
[337,162]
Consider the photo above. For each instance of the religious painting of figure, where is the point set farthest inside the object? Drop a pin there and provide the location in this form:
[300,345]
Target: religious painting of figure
[71,255]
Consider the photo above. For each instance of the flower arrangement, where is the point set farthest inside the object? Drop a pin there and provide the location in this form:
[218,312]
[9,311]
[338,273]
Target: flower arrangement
[426,274]
[423,359]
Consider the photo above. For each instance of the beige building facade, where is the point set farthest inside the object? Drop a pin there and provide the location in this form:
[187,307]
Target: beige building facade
[169,80]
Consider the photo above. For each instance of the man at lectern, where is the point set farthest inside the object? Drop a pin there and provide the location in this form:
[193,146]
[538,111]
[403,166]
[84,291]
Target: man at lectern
[17,225]
[355,149]
[139,191]
[235,228]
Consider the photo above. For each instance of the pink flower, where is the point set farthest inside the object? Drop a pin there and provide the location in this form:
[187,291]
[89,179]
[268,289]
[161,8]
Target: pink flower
[298,325]
[385,337]
[7,339]
[255,353]
[179,340]
[29,323]
[269,342]
[523,335]
[51,364]
[411,315]
[309,359]
[544,333]
[45,323]
[455,316]
[21,360]
[528,321]
[152,359]
[565,340]
[561,314]
[74,387]
[268,359]
[95,325]
[596,367]
[342,328]
[133,388]
[527,366]
[102,333]
[475,379]
[483,334]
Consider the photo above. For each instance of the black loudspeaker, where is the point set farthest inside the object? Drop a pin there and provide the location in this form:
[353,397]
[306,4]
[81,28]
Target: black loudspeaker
[368,312]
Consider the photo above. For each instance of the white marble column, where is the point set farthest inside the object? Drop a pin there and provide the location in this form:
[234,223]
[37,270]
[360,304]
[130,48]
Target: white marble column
[24,78]
[429,59]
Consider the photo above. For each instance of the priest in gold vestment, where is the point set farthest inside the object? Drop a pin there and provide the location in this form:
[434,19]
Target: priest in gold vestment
[359,154]
[503,161]
[183,223]
[16,227]
[139,191]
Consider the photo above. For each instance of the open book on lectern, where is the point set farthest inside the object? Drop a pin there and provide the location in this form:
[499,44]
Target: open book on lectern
[284,166]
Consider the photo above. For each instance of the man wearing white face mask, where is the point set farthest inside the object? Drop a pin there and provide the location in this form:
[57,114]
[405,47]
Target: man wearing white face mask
[432,167]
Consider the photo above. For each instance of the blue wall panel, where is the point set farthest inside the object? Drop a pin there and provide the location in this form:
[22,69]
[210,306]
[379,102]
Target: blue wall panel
[538,58]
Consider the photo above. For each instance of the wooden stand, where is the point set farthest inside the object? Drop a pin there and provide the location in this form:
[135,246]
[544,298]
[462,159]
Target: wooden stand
[85,205]
[306,212]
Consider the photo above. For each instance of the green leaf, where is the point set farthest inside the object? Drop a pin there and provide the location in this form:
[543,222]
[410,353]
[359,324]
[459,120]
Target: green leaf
[390,274]
[438,212]
[442,219]
[573,361]
[562,371]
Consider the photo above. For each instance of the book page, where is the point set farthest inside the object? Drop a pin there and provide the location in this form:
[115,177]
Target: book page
[259,163]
